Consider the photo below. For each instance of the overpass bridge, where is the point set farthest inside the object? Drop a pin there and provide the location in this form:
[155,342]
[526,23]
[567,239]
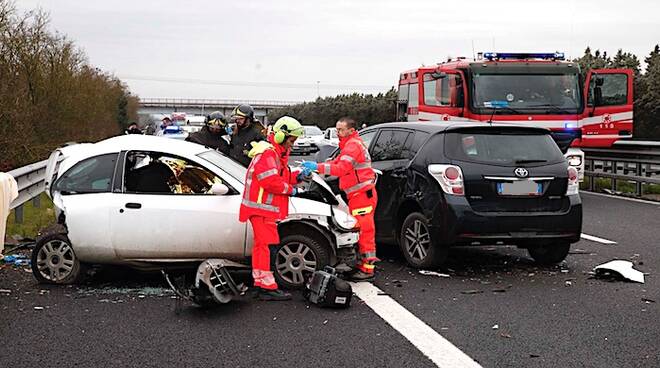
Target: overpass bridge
[158,106]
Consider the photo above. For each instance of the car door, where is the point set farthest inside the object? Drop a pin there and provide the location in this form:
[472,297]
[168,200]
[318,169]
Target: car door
[608,115]
[391,154]
[164,211]
[84,195]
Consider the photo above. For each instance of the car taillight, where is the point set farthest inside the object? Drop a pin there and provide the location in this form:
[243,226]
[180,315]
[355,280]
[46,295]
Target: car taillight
[450,178]
[573,181]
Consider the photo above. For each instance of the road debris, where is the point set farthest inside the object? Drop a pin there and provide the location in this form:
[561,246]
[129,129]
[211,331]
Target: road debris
[38,308]
[621,269]
[648,301]
[505,335]
[472,291]
[433,273]
[495,327]
[568,283]
[5,291]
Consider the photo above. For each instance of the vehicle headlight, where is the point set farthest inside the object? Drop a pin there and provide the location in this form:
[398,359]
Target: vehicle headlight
[343,219]
[574,160]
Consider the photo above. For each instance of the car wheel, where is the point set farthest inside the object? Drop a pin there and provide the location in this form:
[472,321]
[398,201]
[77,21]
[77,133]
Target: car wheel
[297,257]
[416,244]
[549,253]
[54,261]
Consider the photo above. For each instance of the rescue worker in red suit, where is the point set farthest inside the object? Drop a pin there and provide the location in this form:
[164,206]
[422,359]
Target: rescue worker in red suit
[357,180]
[268,185]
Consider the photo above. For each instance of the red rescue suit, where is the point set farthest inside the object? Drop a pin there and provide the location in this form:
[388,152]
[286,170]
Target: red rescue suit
[268,184]
[356,179]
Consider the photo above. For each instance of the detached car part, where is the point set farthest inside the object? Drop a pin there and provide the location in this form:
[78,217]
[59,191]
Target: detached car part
[213,283]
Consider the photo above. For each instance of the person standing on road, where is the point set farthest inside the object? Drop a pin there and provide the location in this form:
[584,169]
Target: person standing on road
[268,185]
[247,131]
[211,135]
[357,179]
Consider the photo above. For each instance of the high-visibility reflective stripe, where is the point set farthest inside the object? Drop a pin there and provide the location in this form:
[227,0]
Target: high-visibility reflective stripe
[368,255]
[326,169]
[362,211]
[266,174]
[365,165]
[260,206]
[349,159]
[286,188]
[358,186]
[368,266]
[261,194]
[269,198]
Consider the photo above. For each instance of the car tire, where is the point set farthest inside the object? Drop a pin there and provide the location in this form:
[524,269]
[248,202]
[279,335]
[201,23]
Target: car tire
[416,243]
[296,258]
[549,253]
[54,261]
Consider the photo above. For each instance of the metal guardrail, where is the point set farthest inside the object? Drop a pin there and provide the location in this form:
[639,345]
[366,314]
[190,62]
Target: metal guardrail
[631,161]
[31,183]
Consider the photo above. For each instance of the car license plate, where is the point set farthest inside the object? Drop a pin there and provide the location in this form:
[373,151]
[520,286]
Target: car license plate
[520,188]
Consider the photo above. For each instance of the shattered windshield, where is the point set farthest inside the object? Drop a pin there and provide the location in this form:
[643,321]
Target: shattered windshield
[527,93]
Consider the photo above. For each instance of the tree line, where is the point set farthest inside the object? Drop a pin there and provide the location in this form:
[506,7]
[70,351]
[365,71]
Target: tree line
[49,92]
[367,108]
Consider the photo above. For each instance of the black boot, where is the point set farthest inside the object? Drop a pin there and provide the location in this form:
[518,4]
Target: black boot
[276,295]
[362,276]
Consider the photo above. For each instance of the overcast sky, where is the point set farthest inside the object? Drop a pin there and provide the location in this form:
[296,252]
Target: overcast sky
[292,50]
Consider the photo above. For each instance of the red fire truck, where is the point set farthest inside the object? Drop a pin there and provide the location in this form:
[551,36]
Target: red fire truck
[539,89]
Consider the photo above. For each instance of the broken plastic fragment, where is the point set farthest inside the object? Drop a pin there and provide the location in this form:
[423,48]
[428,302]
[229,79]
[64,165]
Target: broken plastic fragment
[620,267]
[433,273]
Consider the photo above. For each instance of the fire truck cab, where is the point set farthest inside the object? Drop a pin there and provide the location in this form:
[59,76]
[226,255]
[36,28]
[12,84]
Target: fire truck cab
[532,89]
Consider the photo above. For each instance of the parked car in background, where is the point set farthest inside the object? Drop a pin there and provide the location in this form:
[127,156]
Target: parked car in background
[446,184]
[308,142]
[173,132]
[135,201]
[330,136]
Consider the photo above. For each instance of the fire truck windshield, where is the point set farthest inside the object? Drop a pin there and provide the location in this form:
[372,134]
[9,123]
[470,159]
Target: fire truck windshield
[527,93]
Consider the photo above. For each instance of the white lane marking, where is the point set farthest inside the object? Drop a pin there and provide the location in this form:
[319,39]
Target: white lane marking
[596,239]
[620,197]
[442,352]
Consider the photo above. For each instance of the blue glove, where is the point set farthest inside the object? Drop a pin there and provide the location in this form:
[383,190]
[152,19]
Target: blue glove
[229,130]
[311,165]
[305,173]
[295,191]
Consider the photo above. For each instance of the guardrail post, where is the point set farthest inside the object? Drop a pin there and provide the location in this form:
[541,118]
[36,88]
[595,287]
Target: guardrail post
[638,184]
[36,201]
[614,171]
[18,214]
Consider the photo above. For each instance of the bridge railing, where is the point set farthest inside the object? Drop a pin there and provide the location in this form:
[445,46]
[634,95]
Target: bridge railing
[633,162]
[211,102]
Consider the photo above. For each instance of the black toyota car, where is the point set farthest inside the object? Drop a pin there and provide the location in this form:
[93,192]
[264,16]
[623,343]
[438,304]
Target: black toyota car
[469,184]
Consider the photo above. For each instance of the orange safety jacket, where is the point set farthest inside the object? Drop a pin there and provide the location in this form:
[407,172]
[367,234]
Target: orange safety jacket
[268,184]
[352,166]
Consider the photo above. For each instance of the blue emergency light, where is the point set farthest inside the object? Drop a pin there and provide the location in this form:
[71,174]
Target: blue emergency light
[524,55]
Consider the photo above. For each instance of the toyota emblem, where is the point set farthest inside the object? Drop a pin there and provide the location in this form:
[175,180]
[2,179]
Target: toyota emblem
[521,172]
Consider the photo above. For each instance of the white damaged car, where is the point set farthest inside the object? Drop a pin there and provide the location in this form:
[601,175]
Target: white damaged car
[153,203]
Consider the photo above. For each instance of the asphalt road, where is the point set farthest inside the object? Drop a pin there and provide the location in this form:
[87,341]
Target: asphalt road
[545,316]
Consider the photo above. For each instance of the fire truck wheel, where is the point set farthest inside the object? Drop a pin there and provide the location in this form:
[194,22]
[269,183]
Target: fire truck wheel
[549,253]
[416,243]
[297,257]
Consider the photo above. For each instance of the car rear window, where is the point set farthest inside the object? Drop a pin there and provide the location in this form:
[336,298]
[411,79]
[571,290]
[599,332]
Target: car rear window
[508,148]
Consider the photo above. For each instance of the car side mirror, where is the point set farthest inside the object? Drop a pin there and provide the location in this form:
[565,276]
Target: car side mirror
[219,189]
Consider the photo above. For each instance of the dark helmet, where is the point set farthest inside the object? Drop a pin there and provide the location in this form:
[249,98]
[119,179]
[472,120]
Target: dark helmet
[216,118]
[243,110]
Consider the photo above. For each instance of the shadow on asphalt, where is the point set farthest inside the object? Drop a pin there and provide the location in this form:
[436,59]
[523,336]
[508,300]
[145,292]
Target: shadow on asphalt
[475,260]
